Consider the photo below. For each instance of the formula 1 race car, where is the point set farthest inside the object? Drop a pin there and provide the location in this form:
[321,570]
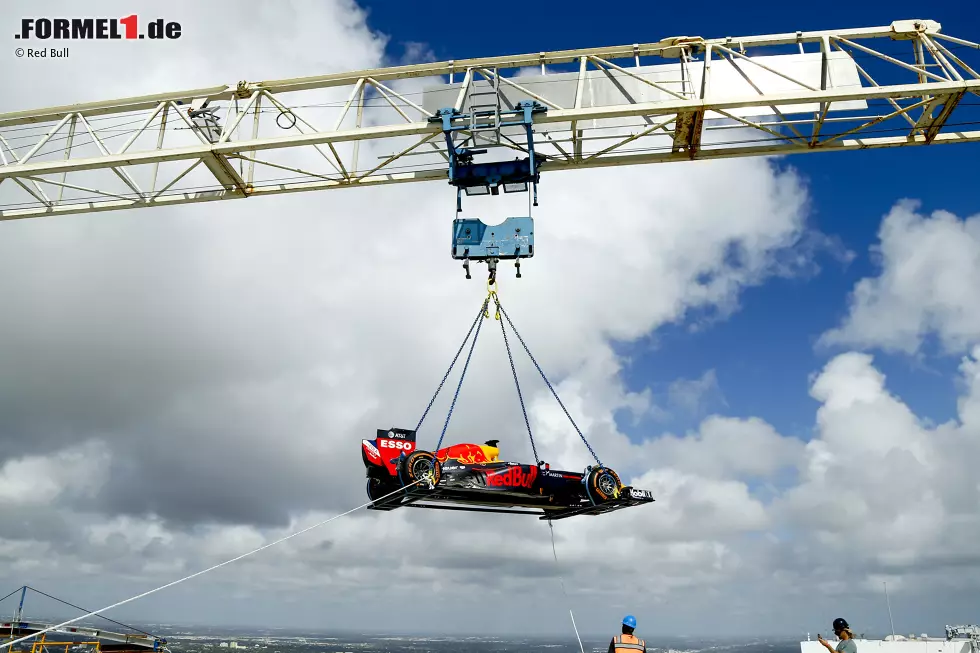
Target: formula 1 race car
[472,477]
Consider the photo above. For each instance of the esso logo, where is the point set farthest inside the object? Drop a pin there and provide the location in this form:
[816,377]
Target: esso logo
[397,444]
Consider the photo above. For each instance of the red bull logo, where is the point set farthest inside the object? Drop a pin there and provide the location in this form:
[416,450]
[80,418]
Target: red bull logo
[468,454]
[513,477]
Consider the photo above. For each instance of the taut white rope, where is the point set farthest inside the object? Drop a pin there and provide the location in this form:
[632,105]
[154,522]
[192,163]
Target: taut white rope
[552,529]
[204,571]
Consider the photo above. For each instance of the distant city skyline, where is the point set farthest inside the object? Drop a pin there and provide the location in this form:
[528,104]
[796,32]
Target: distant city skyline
[229,631]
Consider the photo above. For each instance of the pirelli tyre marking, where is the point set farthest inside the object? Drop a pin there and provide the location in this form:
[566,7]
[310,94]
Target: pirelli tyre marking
[604,484]
[421,466]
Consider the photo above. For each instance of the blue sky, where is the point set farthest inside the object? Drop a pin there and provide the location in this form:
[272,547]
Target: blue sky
[762,354]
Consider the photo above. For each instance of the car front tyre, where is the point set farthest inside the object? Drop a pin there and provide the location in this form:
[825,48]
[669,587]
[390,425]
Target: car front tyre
[603,484]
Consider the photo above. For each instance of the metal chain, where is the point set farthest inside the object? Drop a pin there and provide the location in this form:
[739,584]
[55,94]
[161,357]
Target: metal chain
[477,324]
[451,365]
[463,375]
[548,383]
[520,397]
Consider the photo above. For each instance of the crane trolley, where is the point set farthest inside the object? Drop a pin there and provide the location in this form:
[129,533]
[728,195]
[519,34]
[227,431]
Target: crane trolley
[487,178]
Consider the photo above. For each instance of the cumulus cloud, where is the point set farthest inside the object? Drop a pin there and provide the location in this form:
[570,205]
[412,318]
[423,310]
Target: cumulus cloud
[729,448]
[181,385]
[693,396]
[885,497]
[929,270]
[879,474]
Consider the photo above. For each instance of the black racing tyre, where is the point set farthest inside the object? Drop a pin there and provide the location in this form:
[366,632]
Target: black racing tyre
[603,484]
[378,487]
[420,466]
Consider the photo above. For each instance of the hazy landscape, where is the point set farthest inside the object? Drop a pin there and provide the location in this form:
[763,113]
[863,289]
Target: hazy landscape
[223,640]
[198,639]
[394,643]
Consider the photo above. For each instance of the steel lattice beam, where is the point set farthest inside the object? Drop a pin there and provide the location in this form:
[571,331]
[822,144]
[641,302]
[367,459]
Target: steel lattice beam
[142,640]
[780,94]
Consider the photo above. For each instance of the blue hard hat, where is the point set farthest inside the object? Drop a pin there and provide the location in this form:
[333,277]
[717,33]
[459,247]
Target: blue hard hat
[629,620]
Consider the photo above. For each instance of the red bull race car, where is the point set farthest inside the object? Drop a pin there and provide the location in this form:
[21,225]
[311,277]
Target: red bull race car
[472,477]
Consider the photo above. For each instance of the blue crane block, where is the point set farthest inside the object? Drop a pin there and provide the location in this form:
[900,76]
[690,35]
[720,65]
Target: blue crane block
[474,240]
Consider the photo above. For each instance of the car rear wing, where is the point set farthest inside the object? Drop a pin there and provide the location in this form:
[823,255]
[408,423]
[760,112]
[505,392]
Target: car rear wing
[405,435]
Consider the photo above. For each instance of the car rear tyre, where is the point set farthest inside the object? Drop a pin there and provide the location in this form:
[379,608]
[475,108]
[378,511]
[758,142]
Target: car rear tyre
[603,484]
[378,488]
[422,467]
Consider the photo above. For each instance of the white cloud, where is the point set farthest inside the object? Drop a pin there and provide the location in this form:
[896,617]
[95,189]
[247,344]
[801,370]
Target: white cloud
[728,448]
[691,395]
[38,480]
[882,490]
[929,272]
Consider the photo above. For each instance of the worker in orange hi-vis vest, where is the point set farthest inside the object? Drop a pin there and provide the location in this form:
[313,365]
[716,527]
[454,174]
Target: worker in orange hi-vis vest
[627,642]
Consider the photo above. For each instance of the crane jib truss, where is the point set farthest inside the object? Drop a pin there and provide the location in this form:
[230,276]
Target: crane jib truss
[679,99]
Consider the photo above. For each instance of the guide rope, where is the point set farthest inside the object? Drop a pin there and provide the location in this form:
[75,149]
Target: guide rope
[12,593]
[199,573]
[562,580]
[78,607]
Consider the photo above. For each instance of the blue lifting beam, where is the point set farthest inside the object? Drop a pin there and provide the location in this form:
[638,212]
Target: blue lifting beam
[474,240]
[486,178]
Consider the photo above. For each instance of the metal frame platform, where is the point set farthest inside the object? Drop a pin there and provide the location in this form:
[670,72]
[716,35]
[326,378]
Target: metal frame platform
[464,501]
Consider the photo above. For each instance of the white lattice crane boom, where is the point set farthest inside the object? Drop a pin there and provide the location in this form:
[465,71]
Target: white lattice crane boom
[680,99]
